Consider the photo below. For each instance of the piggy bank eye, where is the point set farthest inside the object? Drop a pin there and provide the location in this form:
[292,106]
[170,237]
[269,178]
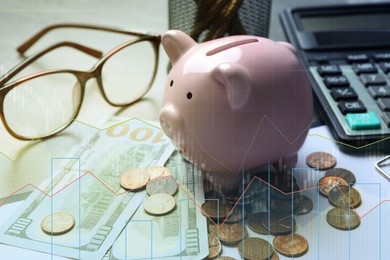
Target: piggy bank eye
[171,83]
[189,95]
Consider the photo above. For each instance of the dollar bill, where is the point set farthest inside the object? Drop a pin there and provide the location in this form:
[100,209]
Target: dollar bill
[181,234]
[86,186]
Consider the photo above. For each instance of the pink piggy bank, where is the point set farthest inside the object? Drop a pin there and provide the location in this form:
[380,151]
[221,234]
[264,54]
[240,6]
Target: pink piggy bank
[234,104]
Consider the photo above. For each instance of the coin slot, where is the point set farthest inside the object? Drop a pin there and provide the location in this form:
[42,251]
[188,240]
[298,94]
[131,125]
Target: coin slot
[231,45]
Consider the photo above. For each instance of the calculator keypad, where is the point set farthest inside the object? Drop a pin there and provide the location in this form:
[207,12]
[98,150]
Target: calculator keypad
[358,86]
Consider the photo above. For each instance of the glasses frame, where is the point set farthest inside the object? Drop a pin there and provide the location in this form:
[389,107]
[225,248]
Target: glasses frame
[81,76]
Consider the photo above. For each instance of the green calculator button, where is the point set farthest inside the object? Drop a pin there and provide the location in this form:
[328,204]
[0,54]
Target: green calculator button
[362,121]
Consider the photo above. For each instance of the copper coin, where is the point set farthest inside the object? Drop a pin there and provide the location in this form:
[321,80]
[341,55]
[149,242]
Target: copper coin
[321,160]
[274,256]
[348,176]
[305,205]
[327,183]
[159,204]
[215,247]
[58,223]
[255,248]
[343,218]
[279,223]
[212,229]
[344,196]
[291,245]
[215,209]
[255,223]
[162,184]
[158,171]
[133,179]
[231,233]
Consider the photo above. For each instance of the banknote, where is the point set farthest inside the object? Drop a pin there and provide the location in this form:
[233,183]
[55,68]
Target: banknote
[181,234]
[86,185]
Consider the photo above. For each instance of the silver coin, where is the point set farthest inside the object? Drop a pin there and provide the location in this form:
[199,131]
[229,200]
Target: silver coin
[163,184]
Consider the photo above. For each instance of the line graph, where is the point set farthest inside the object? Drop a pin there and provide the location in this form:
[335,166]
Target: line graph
[255,178]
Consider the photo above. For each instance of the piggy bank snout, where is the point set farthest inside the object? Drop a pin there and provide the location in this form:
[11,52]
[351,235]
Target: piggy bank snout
[170,120]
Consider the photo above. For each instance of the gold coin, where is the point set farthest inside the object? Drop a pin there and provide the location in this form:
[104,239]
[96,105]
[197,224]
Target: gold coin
[162,184]
[255,248]
[327,183]
[215,247]
[159,204]
[58,223]
[226,258]
[343,218]
[344,196]
[158,171]
[210,209]
[305,205]
[291,245]
[134,179]
[321,160]
[348,176]
[255,223]
[230,233]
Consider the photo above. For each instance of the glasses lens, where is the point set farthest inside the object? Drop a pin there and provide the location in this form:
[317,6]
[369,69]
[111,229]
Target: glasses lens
[127,75]
[42,106]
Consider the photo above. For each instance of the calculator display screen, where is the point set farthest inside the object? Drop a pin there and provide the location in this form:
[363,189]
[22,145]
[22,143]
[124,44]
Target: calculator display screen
[378,21]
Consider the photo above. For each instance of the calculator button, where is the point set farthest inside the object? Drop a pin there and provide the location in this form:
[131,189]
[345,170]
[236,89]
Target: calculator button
[328,69]
[343,94]
[352,107]
[373,79]
[382,56]
[357,58]
[361,68]
[386,118]
[384,104]
[385,66]
[336,81]
[363,121]
[377,92]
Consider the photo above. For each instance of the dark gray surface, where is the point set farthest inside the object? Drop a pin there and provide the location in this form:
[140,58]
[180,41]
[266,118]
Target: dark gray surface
[276,31]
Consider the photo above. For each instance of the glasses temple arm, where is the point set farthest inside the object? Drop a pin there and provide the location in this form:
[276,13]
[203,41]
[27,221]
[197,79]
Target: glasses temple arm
[14,71]
[26,45]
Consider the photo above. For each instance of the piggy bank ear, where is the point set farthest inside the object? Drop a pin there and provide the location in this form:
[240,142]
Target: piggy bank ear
[236,79]
[176,43]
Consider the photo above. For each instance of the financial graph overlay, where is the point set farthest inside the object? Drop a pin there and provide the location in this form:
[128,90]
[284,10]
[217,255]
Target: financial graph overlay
[289,195]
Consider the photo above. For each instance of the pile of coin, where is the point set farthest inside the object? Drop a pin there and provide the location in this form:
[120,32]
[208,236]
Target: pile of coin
[336,185]
[159,185]
[268,207]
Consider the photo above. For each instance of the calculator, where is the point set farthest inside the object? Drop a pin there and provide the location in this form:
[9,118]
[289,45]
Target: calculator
[345,50]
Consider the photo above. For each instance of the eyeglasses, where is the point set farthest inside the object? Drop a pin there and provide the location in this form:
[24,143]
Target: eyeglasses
[45,103]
